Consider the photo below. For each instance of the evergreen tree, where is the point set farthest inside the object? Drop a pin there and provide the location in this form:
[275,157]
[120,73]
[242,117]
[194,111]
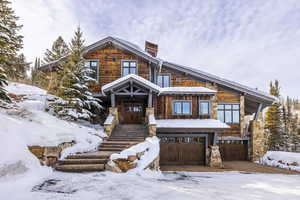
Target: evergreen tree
[20,68]
[10,43]
[58,50]
[37,76]
[273,121]
[3,83]
[79,101]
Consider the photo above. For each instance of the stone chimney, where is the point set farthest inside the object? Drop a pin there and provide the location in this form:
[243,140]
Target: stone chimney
[151,48]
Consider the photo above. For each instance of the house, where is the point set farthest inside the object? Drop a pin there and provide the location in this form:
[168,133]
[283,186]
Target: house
[190,110]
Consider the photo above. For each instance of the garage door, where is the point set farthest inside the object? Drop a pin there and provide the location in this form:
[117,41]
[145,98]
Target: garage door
[187,150]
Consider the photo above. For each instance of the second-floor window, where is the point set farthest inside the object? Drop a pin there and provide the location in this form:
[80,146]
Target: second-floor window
[182,107]
[163,80]
[129,67]
[204,107]
[229,113]
[92,66]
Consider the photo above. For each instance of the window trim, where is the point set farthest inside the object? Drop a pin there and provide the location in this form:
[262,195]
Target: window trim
[239,110]
[98,67]
[209,107]
[173,107]
[164,74]
[128,60]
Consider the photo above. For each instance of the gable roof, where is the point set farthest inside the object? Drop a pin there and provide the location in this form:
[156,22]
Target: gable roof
[124,44]
[156,88]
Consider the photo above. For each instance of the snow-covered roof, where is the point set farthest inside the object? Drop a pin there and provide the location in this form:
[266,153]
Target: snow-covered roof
[154,87]
[186,90]
[127,78]
[191,123]
[251,92]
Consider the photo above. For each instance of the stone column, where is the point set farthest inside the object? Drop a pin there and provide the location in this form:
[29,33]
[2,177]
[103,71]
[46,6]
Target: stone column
[214,107]
[149,111]
[242,115]
[215,159]
[257,140]
[151,127]
[114,112]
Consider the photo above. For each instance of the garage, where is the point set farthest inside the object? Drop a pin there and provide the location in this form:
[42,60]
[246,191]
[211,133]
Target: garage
[182,150]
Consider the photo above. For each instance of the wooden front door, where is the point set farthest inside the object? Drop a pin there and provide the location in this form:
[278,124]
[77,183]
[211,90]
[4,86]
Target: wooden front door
[133,112]
[182,150]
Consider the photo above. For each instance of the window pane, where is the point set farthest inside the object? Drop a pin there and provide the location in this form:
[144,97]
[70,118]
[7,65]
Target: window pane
[166,81]
[132,64]
[177,108]
[221,116]
[125,71]
[94,63]
[204,108]
[125,64]
[87,64]
[228,107]
[186,108]
[132,71]
[220,106]
[236,116]
[159,81]
[228,118]
[236,106]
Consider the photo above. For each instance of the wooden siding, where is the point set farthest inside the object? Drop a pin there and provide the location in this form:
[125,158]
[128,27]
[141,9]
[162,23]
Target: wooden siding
[110,59]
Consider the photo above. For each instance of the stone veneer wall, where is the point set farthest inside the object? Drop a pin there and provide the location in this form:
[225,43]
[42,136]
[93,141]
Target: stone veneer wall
[151,127]
[108,128]
[257,140]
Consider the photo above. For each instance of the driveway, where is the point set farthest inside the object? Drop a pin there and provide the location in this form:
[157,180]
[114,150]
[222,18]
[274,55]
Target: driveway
[244,166]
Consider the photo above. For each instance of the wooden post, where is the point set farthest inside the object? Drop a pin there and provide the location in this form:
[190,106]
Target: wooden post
[150,99]
[113,100]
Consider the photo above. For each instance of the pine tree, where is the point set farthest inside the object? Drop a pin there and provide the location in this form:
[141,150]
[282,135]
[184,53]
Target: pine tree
[20,68]
[80,103]
[3,83]
[10,40]
[37,76]
[58,50]
[273,121]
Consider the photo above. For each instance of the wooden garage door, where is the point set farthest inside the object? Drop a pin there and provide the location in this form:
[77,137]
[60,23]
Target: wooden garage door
[182,150]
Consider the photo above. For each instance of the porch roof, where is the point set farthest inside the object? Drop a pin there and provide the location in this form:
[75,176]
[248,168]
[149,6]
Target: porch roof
[126,79]
[156,88]
[191,124]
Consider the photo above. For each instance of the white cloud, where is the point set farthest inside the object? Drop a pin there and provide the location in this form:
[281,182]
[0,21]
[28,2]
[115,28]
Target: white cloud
[251,42]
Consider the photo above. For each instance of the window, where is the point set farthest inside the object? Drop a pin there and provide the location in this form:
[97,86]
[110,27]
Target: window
[229,113]
[204,107]
[128,67]
[182,108]
[92,66]
[163,80]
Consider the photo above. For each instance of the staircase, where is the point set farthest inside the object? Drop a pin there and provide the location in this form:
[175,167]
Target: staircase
[122,137]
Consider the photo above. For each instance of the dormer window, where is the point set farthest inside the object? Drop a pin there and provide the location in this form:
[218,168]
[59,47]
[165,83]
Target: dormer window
[93,66]
[129,67]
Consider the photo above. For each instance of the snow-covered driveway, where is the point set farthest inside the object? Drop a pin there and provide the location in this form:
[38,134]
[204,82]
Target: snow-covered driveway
[170,185]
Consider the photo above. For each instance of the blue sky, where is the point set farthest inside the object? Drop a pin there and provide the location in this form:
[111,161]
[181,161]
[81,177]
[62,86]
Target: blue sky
[251,42]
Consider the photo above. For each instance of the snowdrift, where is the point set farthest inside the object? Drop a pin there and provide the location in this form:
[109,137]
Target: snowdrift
[287,160]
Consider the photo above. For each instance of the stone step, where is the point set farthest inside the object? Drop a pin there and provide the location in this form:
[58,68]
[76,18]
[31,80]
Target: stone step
[119,143]
[114,146]
[82,161]
[118,139]
[111,149]
[80,168]
[83,156]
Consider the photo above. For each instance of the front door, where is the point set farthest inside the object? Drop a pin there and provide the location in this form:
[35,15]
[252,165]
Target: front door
[133,112]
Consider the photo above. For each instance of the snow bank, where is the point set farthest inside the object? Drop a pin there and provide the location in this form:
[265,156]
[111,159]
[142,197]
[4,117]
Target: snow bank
[34,126]
[287,160]
[150,147]
[190,123]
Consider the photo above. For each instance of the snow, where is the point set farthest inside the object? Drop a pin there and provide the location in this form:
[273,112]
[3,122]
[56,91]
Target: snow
[186,90]
[152,120]
[151,148]
[190,123]
[34,126]
[109,119]
[128,77]
[150,186]
[287,160]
